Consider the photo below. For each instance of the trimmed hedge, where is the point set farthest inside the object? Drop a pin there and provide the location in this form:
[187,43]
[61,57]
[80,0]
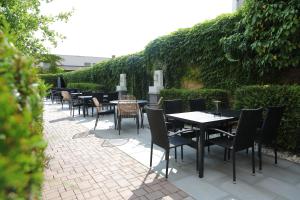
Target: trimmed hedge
[50,79]
[209,94]
[21,139]
[263,96]
[86,86]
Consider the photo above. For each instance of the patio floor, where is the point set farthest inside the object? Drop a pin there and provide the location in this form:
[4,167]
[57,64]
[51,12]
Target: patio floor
[87,164]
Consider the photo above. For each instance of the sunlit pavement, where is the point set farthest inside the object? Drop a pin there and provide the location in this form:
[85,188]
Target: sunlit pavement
[102,164]
[82,166]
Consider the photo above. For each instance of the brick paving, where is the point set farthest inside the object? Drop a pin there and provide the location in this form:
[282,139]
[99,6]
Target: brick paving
[81,166]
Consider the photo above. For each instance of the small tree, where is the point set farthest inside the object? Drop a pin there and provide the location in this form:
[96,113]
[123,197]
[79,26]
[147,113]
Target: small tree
[23,20]
[54,62]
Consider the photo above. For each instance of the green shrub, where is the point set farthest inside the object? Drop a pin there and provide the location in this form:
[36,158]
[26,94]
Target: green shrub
[50,79]
[21,139]
[288,96]
[86,86]
[208,94]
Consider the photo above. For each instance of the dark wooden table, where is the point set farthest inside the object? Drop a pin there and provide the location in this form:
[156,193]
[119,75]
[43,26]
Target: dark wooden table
[202,120]
[85,102]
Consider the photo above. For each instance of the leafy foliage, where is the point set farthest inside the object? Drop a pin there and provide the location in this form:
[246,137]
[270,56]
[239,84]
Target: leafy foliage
[29,27]
[21,139]
[251,46]
[266,40]
[53,62]
[107,73]
[86,86]
[288,96]
[208,94]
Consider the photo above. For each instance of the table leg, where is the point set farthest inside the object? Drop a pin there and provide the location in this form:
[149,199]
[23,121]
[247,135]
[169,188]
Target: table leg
[198,149]
[84,108]
[115,116]
[142,117]
[201,152]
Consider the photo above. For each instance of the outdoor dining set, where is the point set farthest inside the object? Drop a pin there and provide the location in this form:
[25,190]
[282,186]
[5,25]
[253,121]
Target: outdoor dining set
[171,126]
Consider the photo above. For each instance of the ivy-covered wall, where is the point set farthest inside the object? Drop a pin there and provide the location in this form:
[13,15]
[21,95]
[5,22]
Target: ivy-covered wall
[107,73]
[21,139]
[256,45]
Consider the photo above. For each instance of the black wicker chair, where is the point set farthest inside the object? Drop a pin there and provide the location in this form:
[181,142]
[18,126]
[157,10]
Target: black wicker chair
[170,107]
[160,136]
[197,104]
[243,138]
[267,135]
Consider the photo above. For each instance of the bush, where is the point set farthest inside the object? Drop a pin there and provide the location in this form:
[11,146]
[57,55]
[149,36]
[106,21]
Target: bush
[86,86]
[263,96]
[208,94]
[21,139]
[50,79]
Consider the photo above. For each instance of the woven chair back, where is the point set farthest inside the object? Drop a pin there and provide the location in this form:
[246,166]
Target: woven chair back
[66,96]
[128,108]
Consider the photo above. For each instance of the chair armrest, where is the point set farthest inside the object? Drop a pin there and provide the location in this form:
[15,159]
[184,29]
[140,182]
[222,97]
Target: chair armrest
[221,131]
[171,133]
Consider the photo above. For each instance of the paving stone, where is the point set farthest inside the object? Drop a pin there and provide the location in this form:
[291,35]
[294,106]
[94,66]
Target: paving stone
[82,166]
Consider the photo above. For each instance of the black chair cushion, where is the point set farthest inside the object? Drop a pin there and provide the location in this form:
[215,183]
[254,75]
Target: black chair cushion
[177,140]
[222,141]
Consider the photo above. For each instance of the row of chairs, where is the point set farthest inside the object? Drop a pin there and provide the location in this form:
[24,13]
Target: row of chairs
[251,128]
[74,102]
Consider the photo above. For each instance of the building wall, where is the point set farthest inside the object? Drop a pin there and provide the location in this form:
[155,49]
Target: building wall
[236,4]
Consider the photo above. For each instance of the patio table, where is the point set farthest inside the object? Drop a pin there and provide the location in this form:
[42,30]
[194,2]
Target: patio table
[85,102]
[202,120]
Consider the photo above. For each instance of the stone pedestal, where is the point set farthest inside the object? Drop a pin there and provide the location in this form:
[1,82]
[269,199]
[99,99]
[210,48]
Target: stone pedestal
[153,98]
[122,89]
[157,86]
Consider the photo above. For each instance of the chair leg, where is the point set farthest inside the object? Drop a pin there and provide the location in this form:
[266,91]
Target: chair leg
[253,161]
[167,164]
[247,151]
[151,152]
[225,154]
[181,152]
[259,156]
[233,166]
[207,138]
[142,119]
[175,149]
[229,151]
[73,111]
[115,119]
[275,152]
[119,124]
[97,118]
[137,124]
